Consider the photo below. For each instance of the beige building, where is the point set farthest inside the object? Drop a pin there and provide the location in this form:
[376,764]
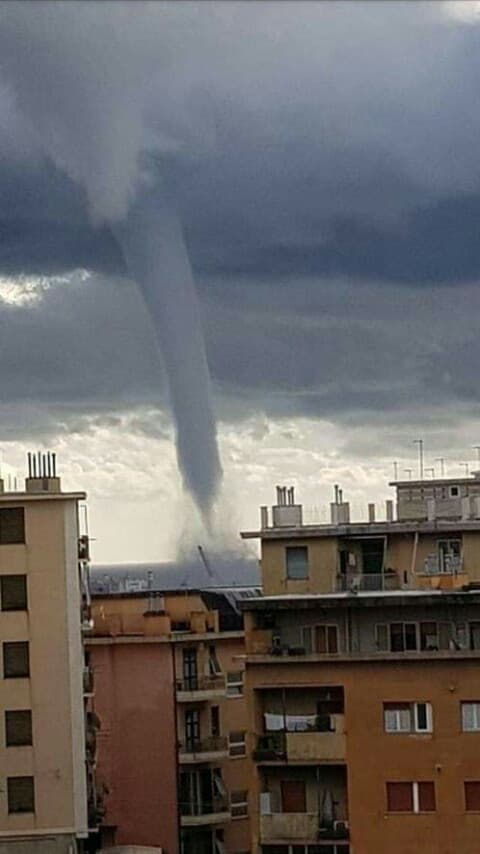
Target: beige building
[169,670]
[43,602]
[362,677]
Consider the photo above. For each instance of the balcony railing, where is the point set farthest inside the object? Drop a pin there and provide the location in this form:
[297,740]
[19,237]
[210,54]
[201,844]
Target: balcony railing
[319,738]
[446,565]
[192,809]
[201,684]
[307,827]
[368,582]
[202,747]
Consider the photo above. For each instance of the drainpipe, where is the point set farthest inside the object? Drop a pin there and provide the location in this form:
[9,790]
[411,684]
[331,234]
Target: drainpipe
[414,554]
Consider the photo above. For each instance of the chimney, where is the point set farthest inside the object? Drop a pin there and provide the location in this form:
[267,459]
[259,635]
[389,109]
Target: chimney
[263,518]
[42,473]
[389,510]
[371,512]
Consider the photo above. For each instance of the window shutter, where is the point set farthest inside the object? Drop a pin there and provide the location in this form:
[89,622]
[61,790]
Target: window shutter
[426,797]
[400,797]
[472,795]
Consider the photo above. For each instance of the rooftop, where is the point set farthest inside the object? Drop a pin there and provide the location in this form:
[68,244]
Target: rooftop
[363,599]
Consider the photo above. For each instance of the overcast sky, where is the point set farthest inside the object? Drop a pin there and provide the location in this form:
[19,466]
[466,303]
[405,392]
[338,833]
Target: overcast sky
[323,159]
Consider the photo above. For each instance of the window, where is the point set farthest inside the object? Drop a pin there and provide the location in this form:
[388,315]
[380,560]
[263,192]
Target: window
[12,525]
[449,555]
[235,683]
[20,794]
[236,744]
[323,638]
[189,666]
[15,660]
[13,592]
[192,729]
[239,803]
[407,717]
[472,795]
[297,561]
[403,637]
[213,664]
[471,716]
[18,728]
[454,491]
[411,797]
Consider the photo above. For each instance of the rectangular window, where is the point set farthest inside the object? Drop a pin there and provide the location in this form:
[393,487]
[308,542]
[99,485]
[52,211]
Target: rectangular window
[472,795]
[16,663]
[474,635]
[326,638]
[411,797]
[236,744]
[403,637]
[471,716]
[407,717]
[429,636]
[13,592]
[189,669]
[192,730]
[213,663]
[12,525]
[239,803]
[235,683]
[297,561]
[18,728]
[20,794]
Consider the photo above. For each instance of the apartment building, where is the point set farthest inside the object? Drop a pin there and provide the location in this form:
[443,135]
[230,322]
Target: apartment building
[362,677]
[169,671]
[45,774]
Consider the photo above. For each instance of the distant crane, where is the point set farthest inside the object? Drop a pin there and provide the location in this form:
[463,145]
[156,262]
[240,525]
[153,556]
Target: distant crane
[206,563]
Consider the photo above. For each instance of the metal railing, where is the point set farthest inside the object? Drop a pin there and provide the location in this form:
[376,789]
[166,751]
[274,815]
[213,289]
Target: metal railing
[368,582]
[201,683]
[212,744]
[210,807]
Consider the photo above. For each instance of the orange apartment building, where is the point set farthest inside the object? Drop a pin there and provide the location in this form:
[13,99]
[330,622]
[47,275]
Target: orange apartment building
[169,696]
[362,677]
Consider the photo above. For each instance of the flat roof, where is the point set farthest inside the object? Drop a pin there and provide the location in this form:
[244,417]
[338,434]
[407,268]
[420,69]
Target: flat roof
[356,529]
[22,497]
[438,481]
[380,598]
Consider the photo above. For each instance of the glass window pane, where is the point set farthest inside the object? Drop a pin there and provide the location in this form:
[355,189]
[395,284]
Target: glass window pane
[12,525]
[13,592]
[297,561]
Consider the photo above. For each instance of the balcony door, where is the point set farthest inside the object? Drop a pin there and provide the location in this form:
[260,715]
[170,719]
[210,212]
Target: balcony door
[192,730]
[190,672]
[294,798]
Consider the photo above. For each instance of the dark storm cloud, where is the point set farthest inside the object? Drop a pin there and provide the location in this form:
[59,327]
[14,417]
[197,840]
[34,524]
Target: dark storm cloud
[312,150]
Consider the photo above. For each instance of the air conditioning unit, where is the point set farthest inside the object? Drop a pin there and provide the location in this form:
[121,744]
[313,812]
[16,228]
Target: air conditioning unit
[340,828]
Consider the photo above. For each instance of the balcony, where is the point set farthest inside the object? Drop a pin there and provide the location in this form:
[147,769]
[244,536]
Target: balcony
[216,811]
[205,750]
[320,740]
[200,689]
[304,827]
[318,745]
[369,582]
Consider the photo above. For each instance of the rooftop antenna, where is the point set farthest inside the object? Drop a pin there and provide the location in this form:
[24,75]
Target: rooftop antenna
[431,471]
[409,472]
[419,442]
[441,460]
[467,469]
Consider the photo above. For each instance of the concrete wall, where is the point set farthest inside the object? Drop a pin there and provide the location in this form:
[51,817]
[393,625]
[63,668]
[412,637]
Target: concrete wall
[54,690]
[134,698]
